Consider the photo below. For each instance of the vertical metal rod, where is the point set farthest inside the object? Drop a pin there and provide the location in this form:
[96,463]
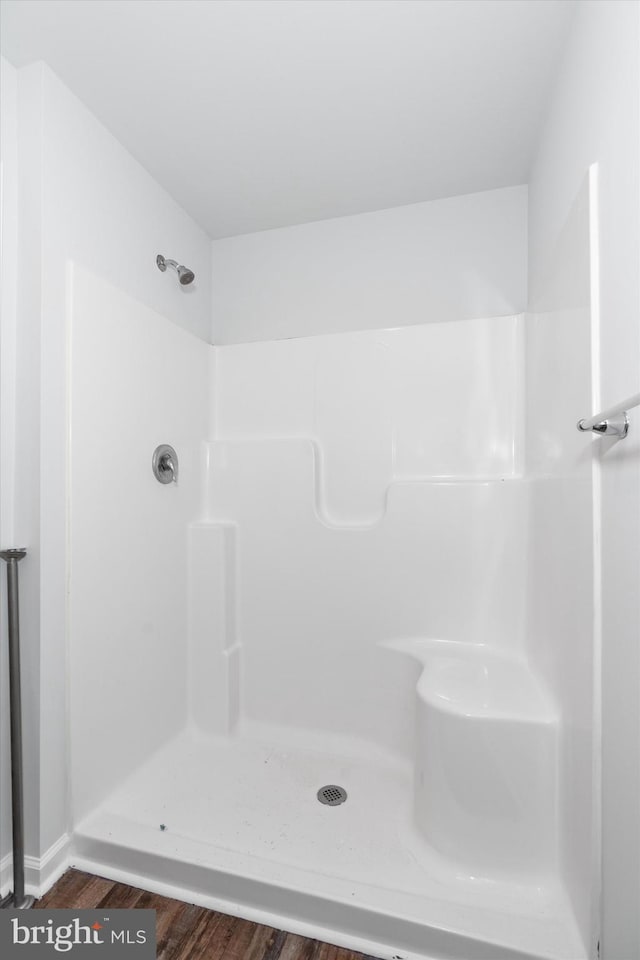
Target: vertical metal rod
[18,900]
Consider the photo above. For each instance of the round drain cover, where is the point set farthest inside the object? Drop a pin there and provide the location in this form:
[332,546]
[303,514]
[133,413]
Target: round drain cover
[332,795]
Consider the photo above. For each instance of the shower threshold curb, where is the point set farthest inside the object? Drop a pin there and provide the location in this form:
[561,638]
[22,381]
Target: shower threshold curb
[284,906]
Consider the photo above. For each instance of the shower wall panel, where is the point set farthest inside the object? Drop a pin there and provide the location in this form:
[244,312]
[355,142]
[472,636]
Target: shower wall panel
[562,611]
[431,401]
[373,480]
[319,601]
[137,380]
[594,115]
[81,197]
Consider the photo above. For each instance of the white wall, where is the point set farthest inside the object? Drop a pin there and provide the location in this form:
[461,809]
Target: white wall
[81,197]
[560,612]
[21,365]
[8,332]
[137,380]
[454,259]
[594,116]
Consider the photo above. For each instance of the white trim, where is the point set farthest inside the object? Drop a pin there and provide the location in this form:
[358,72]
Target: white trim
[40,873]
[6,872]
[596,587]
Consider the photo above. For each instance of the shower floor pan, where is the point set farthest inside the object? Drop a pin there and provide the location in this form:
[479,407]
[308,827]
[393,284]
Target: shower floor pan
[235,824]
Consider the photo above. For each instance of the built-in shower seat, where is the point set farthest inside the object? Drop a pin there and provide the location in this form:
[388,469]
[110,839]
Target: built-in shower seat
[485,758]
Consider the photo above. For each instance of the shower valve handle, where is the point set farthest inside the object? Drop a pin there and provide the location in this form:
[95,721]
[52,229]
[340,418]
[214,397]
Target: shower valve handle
[165,464]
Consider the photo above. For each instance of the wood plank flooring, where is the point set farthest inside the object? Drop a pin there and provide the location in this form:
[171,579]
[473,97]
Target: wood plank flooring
[187,932]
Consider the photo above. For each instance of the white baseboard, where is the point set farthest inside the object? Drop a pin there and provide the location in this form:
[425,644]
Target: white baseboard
[6,871]
[40,873]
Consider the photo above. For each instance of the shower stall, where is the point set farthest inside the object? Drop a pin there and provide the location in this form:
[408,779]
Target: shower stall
[329,611]
[346,589]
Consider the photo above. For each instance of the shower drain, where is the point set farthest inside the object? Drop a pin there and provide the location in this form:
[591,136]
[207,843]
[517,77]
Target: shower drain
[332,795]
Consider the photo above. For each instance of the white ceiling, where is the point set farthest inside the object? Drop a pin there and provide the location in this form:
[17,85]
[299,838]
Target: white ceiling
[262,113]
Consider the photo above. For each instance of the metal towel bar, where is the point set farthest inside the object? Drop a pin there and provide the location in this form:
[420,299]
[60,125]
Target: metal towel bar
[613,422]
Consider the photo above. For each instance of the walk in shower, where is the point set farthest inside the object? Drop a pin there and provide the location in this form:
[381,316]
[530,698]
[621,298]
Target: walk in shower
[329,610]
[345,590]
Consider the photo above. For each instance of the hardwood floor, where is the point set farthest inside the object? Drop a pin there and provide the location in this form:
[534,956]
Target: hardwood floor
[187,932]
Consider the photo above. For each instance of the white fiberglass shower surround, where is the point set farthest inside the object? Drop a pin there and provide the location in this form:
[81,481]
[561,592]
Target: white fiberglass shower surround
[340,590]
[390,564]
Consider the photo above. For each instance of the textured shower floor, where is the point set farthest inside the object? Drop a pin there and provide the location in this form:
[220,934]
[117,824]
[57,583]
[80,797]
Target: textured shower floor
[244,832]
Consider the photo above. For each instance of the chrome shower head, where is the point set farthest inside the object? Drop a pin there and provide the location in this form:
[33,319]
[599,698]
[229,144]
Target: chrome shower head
[185,276]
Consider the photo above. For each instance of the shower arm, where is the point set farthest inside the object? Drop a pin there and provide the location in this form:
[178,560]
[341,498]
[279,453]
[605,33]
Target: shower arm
[611,422]
[185,275]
